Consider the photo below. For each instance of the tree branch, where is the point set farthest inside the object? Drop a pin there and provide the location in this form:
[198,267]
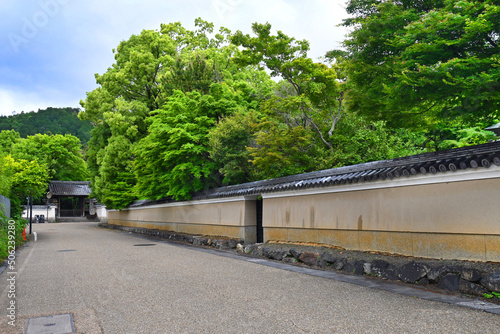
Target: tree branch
[336,118]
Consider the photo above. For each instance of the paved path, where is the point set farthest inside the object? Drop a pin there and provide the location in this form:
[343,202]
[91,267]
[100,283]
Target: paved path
[112,286]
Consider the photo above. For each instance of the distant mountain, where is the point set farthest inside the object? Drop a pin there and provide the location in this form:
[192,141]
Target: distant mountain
[50,121]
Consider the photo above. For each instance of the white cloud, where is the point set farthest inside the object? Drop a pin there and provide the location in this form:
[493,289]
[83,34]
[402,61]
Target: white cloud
[77,40]
[15,100]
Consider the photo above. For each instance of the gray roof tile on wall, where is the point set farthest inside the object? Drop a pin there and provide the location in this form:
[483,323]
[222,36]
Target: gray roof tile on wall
[466,158]
[472,157]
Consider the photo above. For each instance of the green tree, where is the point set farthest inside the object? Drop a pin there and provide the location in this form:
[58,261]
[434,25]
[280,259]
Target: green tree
[282,151]
[62,155]
[229,142]
[310,96]
[23,178]
[419,63]
[357,140]
[7,139]
[148,69]
[173,160]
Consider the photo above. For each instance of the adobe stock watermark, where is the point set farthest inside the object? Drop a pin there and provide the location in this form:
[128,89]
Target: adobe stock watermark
[31,25]
[222,7]
[11,274]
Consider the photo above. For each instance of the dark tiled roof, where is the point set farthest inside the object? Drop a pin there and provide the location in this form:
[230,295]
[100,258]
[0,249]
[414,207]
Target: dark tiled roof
[466,158]
[472,157]
[69,188]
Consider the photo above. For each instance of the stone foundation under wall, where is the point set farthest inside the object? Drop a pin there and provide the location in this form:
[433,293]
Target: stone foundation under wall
[475,247]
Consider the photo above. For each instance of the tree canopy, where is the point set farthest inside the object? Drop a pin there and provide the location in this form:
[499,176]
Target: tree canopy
[421,63]
[183,110]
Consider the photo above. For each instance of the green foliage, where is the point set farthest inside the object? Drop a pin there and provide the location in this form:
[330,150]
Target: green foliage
[155,107]
[282,151]
[182,111]
[310,95]
[419,63]
[60,154]
[6,171]
[7,139]
[20,179]
[48,121]
[445,137]
[173,159]
[228,142]
[357,140]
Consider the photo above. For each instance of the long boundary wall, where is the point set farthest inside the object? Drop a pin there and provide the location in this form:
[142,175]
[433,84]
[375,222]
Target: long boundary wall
[234,217]
[449,216]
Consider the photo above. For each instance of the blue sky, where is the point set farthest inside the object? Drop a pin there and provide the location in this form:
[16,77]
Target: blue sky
[51,49]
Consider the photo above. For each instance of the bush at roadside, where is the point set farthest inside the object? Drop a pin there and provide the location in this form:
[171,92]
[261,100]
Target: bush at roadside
[19,225]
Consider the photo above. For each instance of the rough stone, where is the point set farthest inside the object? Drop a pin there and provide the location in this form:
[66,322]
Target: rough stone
[411,272]
[339,264]
[379,266]
[221,244]
[348,267]
[295,253]
[358,268]
[239,248]
[423,281]
[470,274]
[491,282]
[198,241]
[471,288]
[289,259]
[367,268]
[251,249]
[260,251]
[390,273]
[277,255]
[353,267]
[449,282]
[232,243]
[435,274]
[309,258]
[265,252]
[328,258]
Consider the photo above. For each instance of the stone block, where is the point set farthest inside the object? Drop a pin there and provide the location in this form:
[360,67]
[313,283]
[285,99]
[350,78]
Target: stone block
[390,273]
[470,274]
[491,282]
[411,272]
[379,266]
[471,288]
[449,282]
[309,258]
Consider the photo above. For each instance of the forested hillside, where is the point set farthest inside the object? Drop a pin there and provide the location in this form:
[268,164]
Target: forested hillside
[48,121]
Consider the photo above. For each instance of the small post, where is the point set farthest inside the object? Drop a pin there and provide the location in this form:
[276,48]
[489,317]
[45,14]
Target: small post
[31,214]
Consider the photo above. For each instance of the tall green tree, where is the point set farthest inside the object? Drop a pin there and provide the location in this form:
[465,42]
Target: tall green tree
[62,155]
[151,69]
[7,139]
[20,179]
[229,143]
[310,95]
[421,63]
